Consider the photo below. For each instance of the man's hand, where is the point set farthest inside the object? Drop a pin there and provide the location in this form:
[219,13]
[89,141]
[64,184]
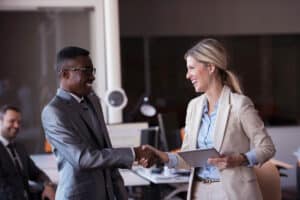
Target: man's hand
[145,157]
[48,193]
[160,156]
[227,161]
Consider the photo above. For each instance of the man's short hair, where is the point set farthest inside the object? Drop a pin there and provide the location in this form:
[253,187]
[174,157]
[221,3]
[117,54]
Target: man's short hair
[66,53]
[6,107]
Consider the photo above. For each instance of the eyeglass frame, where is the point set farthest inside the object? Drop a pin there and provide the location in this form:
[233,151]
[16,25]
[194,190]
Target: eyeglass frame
[86,70]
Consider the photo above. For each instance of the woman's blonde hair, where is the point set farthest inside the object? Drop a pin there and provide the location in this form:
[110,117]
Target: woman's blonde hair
[212,51]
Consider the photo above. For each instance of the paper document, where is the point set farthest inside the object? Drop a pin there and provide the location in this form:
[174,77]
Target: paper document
[198,158]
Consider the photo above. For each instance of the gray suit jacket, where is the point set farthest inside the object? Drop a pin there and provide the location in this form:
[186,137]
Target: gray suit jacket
[87,163]
[238,129]
[11,183]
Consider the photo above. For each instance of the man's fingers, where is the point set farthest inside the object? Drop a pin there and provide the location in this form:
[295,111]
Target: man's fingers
[149,151]
[147,146]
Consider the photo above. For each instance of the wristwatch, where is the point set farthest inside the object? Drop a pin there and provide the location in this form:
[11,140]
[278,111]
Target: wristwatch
[246,161]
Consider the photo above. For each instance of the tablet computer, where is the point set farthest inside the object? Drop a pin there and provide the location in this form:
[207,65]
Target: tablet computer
[198,158]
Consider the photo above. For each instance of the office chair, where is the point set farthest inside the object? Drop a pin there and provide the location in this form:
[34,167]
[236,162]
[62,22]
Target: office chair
[269,181]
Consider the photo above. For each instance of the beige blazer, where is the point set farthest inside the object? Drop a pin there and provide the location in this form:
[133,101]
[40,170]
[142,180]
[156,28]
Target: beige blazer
[238,129]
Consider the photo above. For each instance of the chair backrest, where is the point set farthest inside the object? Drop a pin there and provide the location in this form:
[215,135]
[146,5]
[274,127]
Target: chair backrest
[269,181]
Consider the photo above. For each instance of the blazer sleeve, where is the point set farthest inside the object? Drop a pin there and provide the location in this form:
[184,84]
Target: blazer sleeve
[65,139]
[186,140]
[34,173]
[254,128]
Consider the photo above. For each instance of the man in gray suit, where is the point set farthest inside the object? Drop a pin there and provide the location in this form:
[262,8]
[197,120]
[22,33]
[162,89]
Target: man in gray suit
[75,127]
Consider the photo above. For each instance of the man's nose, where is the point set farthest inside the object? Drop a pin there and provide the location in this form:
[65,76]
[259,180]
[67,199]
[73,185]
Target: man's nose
[92,78]
[17,125]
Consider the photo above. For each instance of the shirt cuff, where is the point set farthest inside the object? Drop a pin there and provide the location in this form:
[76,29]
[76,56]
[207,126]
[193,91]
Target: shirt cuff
[173,160]
[251,156]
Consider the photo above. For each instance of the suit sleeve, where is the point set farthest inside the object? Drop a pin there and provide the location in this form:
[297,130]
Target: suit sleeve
[186,140]
[255,130]
[34,173]
[66,140]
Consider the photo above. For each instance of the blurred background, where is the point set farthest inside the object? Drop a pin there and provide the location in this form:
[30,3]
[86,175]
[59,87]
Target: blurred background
[262,38]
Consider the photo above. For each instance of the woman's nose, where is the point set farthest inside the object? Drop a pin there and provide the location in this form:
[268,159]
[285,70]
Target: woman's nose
[187,75]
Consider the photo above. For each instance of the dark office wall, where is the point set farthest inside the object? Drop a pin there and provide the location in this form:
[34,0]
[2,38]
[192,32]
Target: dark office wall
[32,80]
[172,26]
[262,38]
[267,66]
[202,17]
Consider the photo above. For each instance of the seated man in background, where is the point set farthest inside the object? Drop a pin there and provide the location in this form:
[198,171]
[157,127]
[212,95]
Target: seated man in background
[16,167]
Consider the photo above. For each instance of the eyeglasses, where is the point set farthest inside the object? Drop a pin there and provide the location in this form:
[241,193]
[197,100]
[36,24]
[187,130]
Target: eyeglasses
[86,70]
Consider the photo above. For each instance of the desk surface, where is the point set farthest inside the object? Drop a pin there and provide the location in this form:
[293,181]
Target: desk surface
[47,163]
[161,178]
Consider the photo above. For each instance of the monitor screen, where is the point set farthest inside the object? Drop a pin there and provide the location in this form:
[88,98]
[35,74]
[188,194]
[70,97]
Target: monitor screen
[169,131]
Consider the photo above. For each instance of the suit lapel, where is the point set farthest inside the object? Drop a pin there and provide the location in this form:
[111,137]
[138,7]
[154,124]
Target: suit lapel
[9,164]
[197,121]
[23,159]
[83,113]
[85,116]
[222,118]
[97,106]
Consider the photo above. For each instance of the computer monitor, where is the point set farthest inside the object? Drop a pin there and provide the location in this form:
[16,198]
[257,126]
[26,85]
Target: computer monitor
[126,134]
[169,131]
[150,136]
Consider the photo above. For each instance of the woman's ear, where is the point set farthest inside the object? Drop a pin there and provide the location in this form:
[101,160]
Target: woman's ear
[211,68]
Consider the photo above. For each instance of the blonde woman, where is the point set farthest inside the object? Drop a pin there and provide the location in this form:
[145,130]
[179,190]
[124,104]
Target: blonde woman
[224,119]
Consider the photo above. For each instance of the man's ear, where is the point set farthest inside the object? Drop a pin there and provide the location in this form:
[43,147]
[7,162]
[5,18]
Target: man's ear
[64,74]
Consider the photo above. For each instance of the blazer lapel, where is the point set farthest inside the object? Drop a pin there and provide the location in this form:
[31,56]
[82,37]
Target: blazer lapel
[9,164]
[97,106]
[196,121]
[222,118]
[78,108]
[85,116]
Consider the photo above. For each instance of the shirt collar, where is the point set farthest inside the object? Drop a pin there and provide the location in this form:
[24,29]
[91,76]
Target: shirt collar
[205,109]
[77,98]
[4,141]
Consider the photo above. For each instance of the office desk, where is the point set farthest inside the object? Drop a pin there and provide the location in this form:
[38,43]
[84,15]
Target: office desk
[162,178]
[177,181]
[47,163]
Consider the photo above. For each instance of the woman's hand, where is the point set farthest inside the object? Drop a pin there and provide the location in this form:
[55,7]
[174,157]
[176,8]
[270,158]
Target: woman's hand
[48,192]
[223,162]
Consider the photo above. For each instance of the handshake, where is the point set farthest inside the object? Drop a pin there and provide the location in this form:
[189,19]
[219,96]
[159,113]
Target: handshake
[147,156]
